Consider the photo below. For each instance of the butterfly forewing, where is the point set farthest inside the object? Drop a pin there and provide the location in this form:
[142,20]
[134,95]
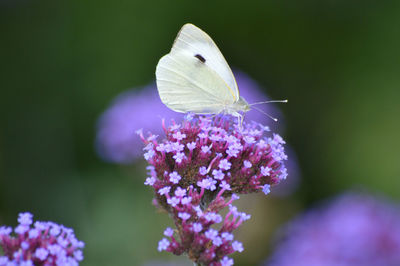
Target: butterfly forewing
[194,76]
[186,85]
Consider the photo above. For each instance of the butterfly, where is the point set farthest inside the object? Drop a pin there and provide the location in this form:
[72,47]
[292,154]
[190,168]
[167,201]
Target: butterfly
[195,77]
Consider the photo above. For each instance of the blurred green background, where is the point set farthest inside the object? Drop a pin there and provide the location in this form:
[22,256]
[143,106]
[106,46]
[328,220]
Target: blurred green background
[62,62]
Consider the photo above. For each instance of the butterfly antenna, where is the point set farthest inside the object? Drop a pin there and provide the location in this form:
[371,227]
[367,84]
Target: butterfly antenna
[273,101]
[261,111]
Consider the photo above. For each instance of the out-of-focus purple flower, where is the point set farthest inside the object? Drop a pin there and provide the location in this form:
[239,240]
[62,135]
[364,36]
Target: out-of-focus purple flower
[43,243]
[194,187]
[116,139]
[355,229]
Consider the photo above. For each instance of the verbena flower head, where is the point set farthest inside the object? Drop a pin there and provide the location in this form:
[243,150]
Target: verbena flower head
[198,169]
[355,229]
[39,243]
[116,140]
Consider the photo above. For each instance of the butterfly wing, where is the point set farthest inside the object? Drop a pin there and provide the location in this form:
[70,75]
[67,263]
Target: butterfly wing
[194,76]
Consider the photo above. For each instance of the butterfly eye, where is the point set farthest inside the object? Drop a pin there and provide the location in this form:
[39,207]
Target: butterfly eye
[200,57]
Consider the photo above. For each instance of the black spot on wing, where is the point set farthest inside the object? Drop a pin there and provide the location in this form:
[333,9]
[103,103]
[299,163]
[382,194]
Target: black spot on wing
[200,57]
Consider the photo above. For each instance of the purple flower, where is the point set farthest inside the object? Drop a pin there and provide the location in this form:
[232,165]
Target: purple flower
[224,164]
[211,233]
[174,177]
[25,218]
[3,260]
[218,174]
[116,140]
[21,229]
[207,183]
[217,241]
[179,157]
[218,157]
[203,170]
[354,229]
[163,244]
[227,236]
[164,190]
[43,243]
[173,201]
[212,216]
[184,215]
[180,192]
[197,227]
[150,181]
[168,232]
[5,230]
[226,261]
[41,253]
[179,136]
[224,185]
[205,149]
[191,145]
[237,246]
[148,155]
[247,164]
[266,189]
[186,200]
[265,170]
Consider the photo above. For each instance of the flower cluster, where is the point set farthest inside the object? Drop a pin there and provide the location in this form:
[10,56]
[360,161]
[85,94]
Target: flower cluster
[355,229]
[41,243]
[198,169]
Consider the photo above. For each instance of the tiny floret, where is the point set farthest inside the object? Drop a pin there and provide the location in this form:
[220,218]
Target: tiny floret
[25,218]
[237,246]
[197,227]
[266,189]
[174,177]
[265,170]
[168,232]
[41,253]
[227,236]
[163,244]
[203,170]
[226,261]
[211,233]
[184,215]
[180,192]
[247,164]
[224,164]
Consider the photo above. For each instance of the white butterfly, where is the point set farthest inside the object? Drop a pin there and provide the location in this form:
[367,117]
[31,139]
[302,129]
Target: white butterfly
[195,77]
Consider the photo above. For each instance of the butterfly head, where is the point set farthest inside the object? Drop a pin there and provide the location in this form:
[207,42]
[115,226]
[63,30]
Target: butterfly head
[241,105]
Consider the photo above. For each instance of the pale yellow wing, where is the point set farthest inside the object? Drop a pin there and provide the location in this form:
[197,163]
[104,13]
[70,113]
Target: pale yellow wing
[194,76]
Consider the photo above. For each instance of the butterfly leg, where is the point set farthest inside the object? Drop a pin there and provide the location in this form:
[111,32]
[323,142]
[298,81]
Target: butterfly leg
[240,119]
